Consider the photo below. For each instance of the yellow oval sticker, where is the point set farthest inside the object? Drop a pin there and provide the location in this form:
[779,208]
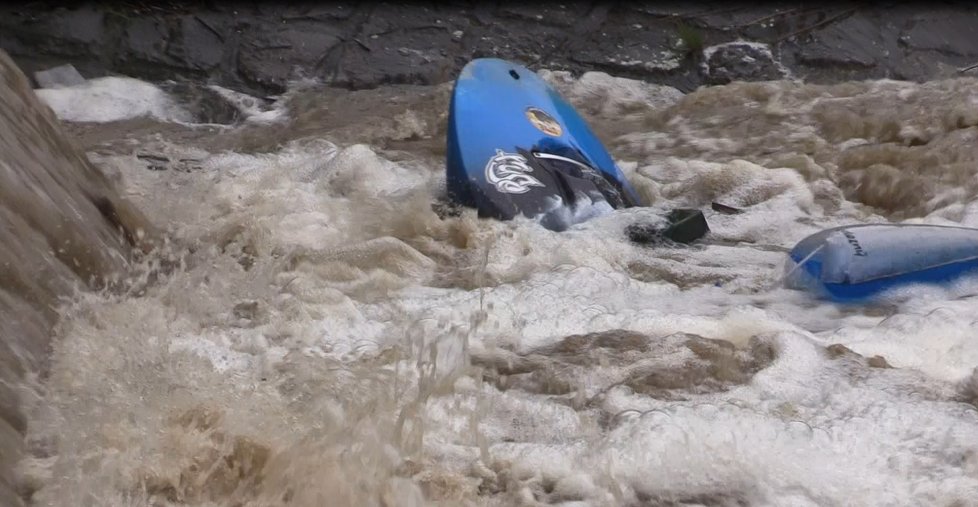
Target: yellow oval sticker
[543,121]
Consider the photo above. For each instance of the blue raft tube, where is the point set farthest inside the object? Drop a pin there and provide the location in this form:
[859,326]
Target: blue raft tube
[860,262]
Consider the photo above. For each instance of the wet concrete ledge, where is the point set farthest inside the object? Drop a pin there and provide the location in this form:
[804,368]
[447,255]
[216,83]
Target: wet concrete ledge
[258,47]
[63,227]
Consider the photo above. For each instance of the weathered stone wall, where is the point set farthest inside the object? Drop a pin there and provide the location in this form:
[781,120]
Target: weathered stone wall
[257,47]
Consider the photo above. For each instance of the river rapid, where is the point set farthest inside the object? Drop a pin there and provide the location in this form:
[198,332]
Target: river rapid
[329,337]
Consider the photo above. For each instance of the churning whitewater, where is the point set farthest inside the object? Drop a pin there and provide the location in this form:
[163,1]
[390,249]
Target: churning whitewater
[330,334]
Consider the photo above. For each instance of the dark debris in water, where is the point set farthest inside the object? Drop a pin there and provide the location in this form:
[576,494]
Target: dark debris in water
[682,226]
[724,209]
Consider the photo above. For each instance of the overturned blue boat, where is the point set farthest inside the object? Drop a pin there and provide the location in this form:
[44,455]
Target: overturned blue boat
[516,147]
[856,263]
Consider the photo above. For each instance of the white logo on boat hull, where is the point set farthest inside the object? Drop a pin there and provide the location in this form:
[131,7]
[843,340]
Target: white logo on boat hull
[508,172]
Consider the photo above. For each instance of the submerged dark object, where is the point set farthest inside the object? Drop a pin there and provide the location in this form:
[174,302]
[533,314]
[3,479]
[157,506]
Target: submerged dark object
[726,210]
[684,226]
[859,262]
[516,147]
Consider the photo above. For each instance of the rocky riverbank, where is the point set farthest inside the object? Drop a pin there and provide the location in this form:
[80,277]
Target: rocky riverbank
[258,47]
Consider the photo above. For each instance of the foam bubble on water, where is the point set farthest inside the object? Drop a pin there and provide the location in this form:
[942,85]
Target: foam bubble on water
[932,335]
[252,108]
[601,94]
[112,98]
[169,415]
[306,194]
[219,354]
[798,432]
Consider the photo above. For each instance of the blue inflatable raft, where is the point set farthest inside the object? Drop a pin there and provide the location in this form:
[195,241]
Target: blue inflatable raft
[855,263]
[515,146]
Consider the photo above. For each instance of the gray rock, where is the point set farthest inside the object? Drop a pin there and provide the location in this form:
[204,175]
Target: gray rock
[741,61]
[201,42]
[62,32]
[736,18]
[613,54]
[269,60]
[854,41]
[667,9]
[945,30]
[518,40]
[58,77]
[80,26]
[318,13]
[554,14]
[418,63]
[146,40]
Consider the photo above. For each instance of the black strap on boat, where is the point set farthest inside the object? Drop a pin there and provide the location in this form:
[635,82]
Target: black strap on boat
[565,167]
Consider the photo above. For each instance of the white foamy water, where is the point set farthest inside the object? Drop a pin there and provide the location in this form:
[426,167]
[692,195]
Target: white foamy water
[329,339]
[250,106]
[112,98]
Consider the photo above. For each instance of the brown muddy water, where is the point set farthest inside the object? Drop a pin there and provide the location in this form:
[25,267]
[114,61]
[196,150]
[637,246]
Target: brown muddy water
[322,336]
